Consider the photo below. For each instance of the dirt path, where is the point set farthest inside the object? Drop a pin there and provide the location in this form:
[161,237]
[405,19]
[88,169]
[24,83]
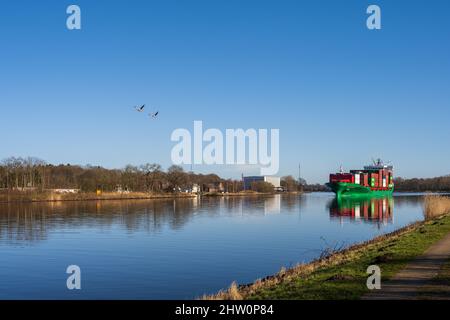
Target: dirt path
[418,279]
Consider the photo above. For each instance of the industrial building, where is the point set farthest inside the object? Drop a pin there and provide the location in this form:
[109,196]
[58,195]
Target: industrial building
[275,181]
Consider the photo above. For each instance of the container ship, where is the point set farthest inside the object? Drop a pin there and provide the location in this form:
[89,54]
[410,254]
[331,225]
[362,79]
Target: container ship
[374,180]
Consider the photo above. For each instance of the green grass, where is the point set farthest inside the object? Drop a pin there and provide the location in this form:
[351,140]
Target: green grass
[348,279]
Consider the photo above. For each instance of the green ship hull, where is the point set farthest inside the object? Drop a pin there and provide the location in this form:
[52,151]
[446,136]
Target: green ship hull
[344,189]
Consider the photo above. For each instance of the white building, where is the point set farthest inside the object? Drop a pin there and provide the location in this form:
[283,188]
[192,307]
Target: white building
[65,190]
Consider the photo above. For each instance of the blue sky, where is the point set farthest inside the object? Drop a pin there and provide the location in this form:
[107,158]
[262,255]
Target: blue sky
[338,92]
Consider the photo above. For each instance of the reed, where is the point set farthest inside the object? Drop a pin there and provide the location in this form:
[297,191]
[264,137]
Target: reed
[435,206]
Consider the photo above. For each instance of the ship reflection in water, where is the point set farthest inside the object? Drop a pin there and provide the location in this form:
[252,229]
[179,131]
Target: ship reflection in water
[370,210]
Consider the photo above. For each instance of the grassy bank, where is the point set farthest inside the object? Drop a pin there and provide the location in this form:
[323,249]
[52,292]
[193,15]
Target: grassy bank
[342,275]
[84,196]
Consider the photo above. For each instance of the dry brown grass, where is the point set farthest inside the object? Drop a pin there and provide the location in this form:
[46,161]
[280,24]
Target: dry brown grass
[37,196]
[435,206]
[232,293]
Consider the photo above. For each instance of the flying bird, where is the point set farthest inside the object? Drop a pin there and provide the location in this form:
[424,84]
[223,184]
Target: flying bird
[154,115]
[140,109]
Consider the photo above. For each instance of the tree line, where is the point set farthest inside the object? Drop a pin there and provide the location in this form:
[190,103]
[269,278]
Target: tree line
[438,184]
[30,173]
[18,173]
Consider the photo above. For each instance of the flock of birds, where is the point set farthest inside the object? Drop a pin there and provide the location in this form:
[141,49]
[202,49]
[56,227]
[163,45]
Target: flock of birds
[153,115]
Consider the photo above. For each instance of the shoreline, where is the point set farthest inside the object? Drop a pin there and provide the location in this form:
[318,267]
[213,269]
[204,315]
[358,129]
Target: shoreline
[19,197]
[342,274]
[33,197]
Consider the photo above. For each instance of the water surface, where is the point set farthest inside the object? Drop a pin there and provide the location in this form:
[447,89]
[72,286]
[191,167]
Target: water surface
[178,249]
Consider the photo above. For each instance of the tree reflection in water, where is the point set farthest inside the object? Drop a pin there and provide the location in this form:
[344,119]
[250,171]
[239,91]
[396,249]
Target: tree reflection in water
[30,222]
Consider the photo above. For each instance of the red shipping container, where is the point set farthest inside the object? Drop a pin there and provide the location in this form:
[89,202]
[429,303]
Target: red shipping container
[374,177]
[380,178]
[345,177]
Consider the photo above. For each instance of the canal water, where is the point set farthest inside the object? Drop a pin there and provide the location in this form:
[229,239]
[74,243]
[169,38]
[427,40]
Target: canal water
[178,249]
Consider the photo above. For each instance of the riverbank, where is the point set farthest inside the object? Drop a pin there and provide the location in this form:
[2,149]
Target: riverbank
[86,196]
[342,274]
[6,197]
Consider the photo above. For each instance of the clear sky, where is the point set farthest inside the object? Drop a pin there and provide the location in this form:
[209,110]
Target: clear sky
[338,92]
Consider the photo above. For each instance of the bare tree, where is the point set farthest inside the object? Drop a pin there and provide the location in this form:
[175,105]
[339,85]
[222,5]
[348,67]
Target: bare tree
[176,177]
